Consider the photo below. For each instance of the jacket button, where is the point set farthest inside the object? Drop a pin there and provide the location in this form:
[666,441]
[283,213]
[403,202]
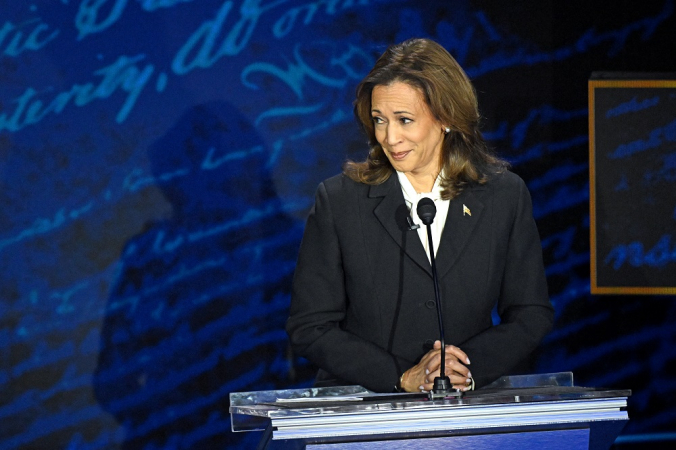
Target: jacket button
[428,345]
[430,304]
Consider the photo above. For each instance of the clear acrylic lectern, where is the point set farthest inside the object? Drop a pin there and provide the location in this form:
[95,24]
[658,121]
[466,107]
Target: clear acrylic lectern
[544,411]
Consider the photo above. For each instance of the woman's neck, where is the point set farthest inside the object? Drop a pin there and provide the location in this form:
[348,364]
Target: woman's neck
[422,183]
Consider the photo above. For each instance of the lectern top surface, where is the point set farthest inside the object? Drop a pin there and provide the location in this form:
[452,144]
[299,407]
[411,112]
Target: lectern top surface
[351,399]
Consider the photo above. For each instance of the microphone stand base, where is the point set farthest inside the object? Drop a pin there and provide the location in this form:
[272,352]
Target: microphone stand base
[444,394]
[443,388]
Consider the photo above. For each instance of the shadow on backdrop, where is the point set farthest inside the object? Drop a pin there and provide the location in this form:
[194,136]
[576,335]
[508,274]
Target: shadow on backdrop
[199,305]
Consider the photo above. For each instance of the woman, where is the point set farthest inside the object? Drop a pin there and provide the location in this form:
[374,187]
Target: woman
[363,305]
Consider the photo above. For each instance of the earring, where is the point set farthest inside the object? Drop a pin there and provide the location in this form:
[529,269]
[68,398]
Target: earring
[447,130]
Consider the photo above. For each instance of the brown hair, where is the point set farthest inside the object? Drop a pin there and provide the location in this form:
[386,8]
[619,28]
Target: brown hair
[450,96]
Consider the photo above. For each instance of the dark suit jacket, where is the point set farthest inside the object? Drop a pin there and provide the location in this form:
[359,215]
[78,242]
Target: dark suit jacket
[363,305]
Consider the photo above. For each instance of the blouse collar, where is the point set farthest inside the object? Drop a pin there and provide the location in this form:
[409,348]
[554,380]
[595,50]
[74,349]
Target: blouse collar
[410,194]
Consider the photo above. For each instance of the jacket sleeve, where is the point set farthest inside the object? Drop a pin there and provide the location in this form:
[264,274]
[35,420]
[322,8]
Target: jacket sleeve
[526,314]
[319,305]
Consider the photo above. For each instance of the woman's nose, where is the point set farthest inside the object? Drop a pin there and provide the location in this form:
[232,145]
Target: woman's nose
[392,135]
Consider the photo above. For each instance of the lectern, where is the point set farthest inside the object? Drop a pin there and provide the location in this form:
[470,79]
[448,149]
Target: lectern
[544,411]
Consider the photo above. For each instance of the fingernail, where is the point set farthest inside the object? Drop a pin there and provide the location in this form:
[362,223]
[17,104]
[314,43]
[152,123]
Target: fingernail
[422,388]
[427,371]
[469,374]
[467,361]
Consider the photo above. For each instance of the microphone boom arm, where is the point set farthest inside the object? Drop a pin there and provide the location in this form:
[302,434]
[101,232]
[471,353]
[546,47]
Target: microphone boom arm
[442,384]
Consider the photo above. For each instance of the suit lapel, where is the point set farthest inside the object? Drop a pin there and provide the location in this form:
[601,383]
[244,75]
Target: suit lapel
[392,213]
[464,212]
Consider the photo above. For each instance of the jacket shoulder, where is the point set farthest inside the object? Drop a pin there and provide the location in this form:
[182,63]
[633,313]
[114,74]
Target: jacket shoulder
[508,190]
[507,180]
[342,186]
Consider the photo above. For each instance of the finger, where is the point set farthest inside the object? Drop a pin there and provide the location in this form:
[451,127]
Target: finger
[434,361]
[431,354]
[429,382]
[461,383]
[457,353]
[430,376]
[466,386]
[456,372]
[426,383]
[458,368]
[452,365]
[459,380]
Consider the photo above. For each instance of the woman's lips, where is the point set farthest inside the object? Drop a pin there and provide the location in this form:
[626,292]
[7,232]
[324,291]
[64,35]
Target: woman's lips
[398,156]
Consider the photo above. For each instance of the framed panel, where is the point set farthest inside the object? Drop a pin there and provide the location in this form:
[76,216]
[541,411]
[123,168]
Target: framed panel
[632,169]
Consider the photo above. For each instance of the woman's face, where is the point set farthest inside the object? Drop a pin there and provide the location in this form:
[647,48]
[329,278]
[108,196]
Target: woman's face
[406,129]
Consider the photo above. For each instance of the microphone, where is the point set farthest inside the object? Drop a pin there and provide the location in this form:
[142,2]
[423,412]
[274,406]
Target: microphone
[426,210]
[442,384]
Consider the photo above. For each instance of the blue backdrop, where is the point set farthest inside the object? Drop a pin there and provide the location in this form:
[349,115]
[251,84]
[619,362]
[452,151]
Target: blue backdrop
[157,162]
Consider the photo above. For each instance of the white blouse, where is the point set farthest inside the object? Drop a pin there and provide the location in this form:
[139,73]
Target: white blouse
[412,198]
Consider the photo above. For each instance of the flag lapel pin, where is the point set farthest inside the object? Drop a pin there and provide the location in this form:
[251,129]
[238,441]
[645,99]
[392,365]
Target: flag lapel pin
[466,211]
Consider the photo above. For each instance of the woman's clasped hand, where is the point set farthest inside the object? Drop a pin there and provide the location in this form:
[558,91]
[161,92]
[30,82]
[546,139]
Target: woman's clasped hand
[421,376]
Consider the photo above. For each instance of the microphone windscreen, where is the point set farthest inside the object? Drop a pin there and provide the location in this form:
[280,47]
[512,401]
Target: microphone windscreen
[426,210]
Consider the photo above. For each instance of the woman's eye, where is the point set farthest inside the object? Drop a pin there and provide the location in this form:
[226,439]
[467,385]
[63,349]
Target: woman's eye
[405,120]
[377,120]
